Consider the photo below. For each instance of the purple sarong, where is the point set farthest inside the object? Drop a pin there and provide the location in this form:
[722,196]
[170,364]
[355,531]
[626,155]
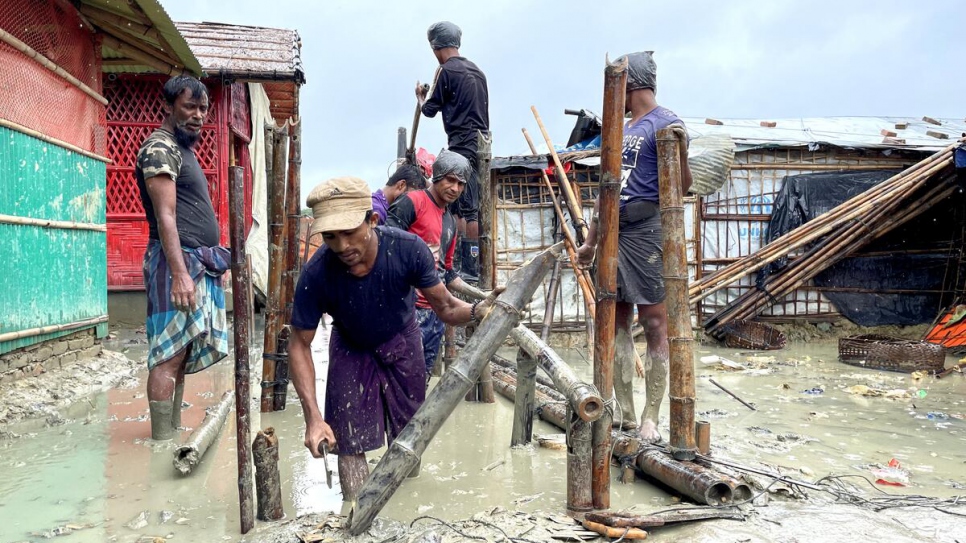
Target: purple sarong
[372,393]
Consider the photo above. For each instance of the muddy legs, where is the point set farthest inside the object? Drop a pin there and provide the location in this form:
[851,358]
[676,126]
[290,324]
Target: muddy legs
[353,471]
[162,383]
[624,378]
[654,320]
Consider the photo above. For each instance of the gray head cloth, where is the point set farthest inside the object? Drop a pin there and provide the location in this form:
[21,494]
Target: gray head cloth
[444,34]
[449,162]
[641,71]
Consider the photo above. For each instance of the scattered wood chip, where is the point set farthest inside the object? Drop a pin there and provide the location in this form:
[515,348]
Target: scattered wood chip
[713,122]
[938,135]
[930,120]
[888,133]
[768,124]
[902,126]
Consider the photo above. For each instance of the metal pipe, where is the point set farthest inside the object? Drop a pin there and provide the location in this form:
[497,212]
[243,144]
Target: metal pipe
[241,282]
[680,337]
[405,451]
[612,135]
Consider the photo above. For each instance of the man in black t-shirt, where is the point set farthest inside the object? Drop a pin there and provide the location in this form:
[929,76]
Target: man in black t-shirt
[460,93]
[183,264]
[364,278]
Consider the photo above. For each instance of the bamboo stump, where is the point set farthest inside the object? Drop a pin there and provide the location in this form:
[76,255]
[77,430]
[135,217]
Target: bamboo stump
[268,486]
[523,401]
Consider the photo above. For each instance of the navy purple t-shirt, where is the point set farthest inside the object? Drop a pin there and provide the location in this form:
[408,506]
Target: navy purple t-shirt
[639,156]
[369,310]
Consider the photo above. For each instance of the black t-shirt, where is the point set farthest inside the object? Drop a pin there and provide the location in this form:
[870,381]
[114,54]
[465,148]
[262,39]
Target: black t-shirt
[161,154]
[369,310]
[460,93]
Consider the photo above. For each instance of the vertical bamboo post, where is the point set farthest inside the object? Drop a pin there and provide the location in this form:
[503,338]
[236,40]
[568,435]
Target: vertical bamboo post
[242,309]
[576,214]
[615,81]
[523,400]
[487,271]
[580,497]
[552,291]
[293,213]
[401,142]
[680,338]
[276,265]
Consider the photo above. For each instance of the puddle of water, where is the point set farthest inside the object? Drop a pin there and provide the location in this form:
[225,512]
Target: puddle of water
[98,470]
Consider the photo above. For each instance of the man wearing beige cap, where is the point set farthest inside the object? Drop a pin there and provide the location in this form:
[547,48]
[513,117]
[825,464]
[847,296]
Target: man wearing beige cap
[365,278]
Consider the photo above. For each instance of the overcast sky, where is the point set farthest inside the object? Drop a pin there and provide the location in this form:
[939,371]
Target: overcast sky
[772,59]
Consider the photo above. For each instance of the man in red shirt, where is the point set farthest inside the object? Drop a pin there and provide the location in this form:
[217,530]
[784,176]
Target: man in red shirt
[426,214]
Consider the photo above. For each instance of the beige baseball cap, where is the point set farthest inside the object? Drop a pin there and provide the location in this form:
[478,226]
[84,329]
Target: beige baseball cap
[339,204]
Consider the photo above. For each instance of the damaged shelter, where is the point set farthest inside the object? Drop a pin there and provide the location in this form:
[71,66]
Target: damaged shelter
[780,175]
[254,75]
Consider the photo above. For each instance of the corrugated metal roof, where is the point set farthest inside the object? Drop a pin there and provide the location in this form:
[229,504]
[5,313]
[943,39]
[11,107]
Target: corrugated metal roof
[246,52]
[848,132]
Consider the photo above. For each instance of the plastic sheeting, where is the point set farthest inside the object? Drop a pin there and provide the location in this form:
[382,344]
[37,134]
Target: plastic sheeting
[641,71]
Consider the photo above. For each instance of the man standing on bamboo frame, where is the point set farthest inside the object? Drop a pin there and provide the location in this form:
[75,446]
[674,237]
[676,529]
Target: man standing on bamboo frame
[186,324]
[459,91]
[640,266]
[365,278]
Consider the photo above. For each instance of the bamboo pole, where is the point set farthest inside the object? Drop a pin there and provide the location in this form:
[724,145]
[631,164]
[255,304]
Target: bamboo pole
[680,336]
[268,486]
[60,143]
[522,431]
[550,302]
[819,226]
[405,451]
[189,455]
[487,267]
[31,332]
[14,42]
[615,81]
[580,464]
[241,281]
[47,223]
[274,316]
[576,213]
[122,35]
[293,212]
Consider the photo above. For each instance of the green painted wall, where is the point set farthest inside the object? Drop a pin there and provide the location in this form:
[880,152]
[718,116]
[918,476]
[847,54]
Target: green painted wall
[49,276]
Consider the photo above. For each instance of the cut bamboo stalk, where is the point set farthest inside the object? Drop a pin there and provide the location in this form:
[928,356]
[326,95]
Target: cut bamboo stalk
[14,42]
[614,533]
[31,332]
[680,337]
[241,282]
[608,201]
[276,266]
[821,225]
[576,213]
[268,486]
[550,302]
[189,455]
[405,451]
[522,431]
[580,462]
[47,223]
[487,267]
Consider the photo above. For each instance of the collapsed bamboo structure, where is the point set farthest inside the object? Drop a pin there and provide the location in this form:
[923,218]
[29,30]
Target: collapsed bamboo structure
[608,202]
[670,143]
[276,265]
[892,190]
[405,451]
[189,455]
[846,236]
[241,282]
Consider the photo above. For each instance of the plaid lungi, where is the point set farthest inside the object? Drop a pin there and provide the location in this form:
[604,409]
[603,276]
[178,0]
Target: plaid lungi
[169,330]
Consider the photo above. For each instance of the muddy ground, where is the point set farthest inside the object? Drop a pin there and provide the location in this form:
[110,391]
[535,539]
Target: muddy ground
[78,466]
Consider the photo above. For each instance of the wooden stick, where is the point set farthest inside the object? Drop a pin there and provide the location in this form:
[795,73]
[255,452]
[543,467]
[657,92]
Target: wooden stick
[576,214]
[31,332]
[268,486]
[14,42]
[680,337]
[60,143]
[241,281]
[608,200]
[47,223]
[732,394]
[274,316]
[615,533]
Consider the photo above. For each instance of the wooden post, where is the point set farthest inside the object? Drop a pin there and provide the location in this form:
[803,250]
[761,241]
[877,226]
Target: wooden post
[680,336]
[405,451]
[276,265]
[580,498]
[486,241]
[615,81]
[267,483]
[241,281]
[523,401]
[293,211]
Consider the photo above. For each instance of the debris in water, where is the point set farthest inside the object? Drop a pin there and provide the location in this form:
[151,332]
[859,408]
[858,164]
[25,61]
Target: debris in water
[863,390]
[494,465]
[139,521]
[527,499]
[556,442]
[892,475]
[814,390]
[165,516]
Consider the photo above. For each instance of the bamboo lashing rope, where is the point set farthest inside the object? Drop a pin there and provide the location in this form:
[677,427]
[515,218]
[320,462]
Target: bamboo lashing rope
[47,223]
[12,41]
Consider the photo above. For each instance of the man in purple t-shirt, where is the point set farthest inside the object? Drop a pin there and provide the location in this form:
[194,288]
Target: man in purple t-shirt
[406,178]
[364,278]
[640,265]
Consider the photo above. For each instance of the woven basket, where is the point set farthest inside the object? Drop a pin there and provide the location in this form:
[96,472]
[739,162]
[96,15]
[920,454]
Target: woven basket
[752,335]
[880,352]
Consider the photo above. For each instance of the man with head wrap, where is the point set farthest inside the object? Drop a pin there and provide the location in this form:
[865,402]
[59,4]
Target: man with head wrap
[639,259]
[460,93]
[364,278]
[426,214]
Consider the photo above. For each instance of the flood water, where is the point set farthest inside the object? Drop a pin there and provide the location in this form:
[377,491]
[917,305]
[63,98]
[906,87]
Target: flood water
[95,474]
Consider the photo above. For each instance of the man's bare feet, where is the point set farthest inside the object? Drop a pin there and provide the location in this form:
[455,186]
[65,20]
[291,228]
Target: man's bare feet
[648,431]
